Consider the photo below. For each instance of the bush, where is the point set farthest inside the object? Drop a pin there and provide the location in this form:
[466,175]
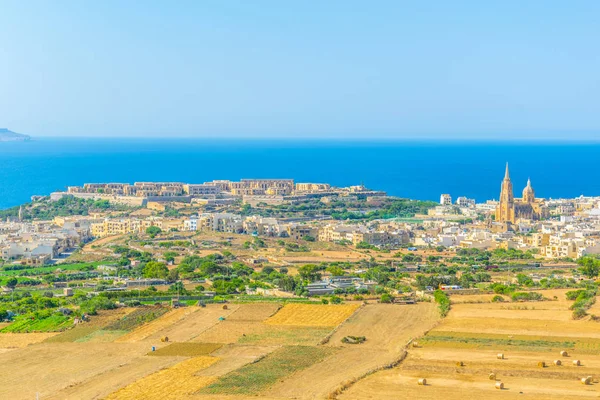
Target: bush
[386,298]
[579,313]
[498,299]
[526,296]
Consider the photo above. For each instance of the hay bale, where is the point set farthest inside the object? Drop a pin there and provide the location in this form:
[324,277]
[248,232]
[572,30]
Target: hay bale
[422,381]
[415,344]
[492,376]
[564,354]
[500,356]
[576,363]
[164,339]
[224,306]
[499,385]
[557,362]
[542,364]
[586,381]
[460,364]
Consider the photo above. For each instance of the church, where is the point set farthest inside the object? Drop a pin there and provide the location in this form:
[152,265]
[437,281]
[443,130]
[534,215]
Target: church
[511,210]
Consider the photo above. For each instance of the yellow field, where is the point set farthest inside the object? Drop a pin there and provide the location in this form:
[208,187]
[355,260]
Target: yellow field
[312,314]
[174,383]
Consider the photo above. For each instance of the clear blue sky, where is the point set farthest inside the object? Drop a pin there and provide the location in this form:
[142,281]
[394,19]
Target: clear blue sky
[501,69]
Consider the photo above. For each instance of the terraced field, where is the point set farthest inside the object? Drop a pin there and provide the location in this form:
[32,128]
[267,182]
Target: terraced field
[458,356]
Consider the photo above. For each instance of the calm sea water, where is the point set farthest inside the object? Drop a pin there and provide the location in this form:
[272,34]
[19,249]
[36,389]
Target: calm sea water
[419,170]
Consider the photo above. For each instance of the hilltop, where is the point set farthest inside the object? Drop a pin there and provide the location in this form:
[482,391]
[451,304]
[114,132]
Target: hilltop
[10,136]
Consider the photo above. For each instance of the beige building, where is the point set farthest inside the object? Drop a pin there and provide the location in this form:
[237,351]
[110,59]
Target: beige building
[510,209]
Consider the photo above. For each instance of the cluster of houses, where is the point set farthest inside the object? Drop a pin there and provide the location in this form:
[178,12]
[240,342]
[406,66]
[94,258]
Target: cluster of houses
[37,243]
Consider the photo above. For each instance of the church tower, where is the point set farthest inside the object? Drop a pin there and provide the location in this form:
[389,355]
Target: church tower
[505,212]
[528,193]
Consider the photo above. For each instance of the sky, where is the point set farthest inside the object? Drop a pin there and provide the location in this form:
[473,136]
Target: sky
[301,69]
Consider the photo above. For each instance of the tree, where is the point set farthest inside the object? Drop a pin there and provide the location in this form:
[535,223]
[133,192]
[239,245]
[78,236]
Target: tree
[170,256]
[155,269]
[309,238]
[335,270]
[309,272]
[152,231]
[590,266]
[12,282]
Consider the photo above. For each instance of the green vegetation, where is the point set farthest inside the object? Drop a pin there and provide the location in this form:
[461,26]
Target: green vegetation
[526,296]
[67,205]
[253,378]
[590,266]
[584,299]
[443,302]
[43,322]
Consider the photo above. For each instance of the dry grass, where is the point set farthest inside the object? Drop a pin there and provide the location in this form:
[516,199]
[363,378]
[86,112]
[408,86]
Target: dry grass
[174,383]
[19,340]
[312,315]
[186,349]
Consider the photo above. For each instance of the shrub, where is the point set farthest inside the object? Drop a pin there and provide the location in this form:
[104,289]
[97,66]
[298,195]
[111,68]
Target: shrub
[498,299]
[443,302]
[526,296]
[579,313]
[386,298]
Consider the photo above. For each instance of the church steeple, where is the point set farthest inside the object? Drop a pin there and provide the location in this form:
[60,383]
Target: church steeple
[505,209]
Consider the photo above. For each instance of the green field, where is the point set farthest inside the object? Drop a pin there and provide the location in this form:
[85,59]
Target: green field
[52,323]
[254,378]
[49,269]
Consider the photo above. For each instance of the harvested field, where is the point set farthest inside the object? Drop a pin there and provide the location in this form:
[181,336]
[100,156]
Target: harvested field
[186,349]
[103,384]
[47,368]
[193,324]
[232,357]
[473,335]
[255,378]
[312,314]
[160,385]
[19,340]
[164,321]
[101,336]
[253,312]
[387,327]
[512,326]
[262,334]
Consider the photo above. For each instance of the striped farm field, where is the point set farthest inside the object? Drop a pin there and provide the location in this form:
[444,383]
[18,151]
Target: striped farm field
[173,383]
[312,314]
[156,325]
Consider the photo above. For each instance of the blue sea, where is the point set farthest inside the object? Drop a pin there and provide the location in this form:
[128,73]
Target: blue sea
[413,169]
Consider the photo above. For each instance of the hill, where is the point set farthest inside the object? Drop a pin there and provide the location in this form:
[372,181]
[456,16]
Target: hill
[10,136]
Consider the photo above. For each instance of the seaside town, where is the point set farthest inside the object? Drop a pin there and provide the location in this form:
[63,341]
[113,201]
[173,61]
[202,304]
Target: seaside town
[549,229]
[166,281]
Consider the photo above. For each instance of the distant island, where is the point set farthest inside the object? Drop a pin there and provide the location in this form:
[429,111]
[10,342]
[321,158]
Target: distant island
[10,136]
